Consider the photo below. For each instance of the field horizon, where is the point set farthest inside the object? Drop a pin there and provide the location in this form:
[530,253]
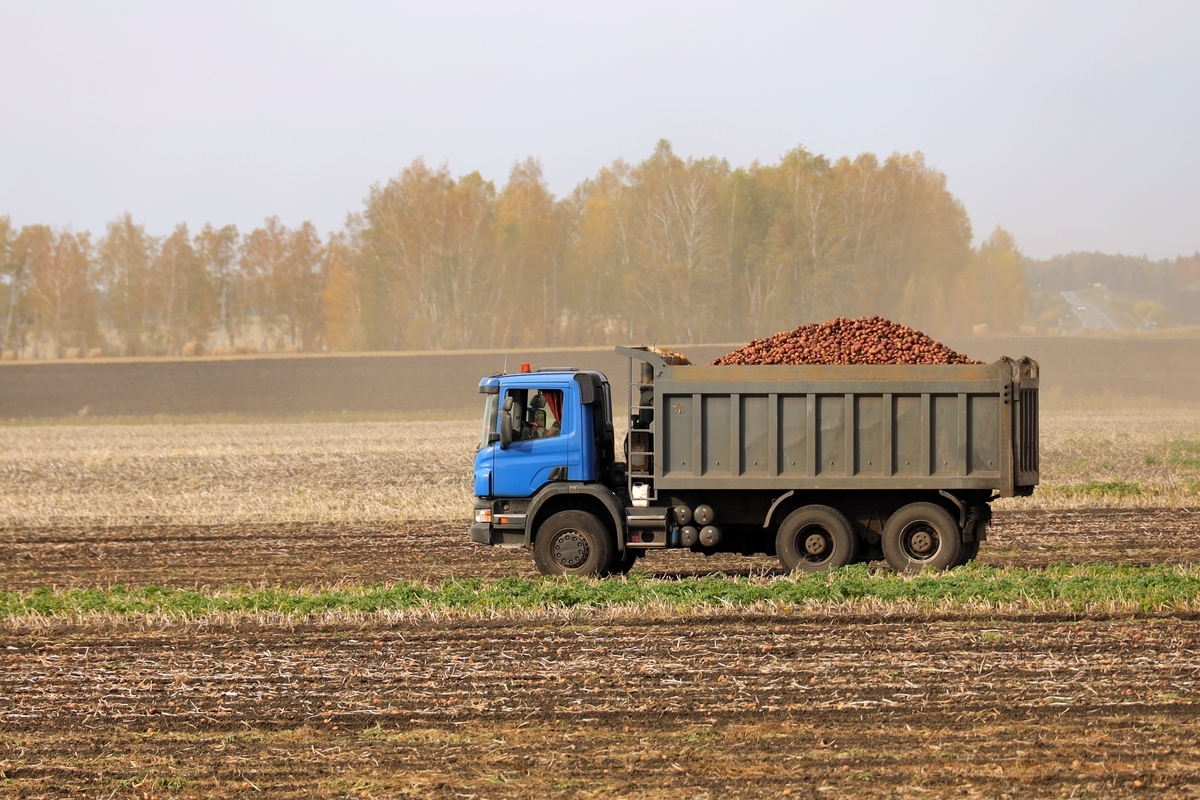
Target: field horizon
[1149,372]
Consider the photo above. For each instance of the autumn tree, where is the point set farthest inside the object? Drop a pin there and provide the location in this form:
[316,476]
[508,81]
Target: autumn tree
[930,242]
[745,284]
[296,289]
[427,259]
[286,269]
[530,252]
[652,247]
[599,263]
[182,298]
[14,277]
[786,285]
[342,299]
[670,248]
[217,253]
[676,224]
[61,289]
[124,259]
[994,290]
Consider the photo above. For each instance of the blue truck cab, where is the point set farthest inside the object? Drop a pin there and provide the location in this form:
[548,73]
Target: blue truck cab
[546,449]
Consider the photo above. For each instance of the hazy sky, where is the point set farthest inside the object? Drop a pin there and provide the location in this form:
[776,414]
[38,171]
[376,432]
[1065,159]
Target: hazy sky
[1076,125]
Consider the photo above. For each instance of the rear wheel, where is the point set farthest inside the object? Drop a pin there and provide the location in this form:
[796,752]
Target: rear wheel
[921,535]
[573,543]
[816,538]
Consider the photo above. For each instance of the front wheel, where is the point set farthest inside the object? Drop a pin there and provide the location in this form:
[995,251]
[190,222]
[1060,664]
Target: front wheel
[573,543]
[816,538]
[921,535]
[622,563]
[969,551]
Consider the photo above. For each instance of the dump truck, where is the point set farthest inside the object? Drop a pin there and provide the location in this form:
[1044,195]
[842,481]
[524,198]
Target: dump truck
[822,466]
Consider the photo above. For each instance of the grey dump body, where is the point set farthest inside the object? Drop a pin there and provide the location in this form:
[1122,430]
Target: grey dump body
[954,428]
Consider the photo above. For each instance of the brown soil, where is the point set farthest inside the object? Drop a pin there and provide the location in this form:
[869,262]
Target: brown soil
[706,706]
[369,383]
[750,706]
[300,554]
[1073,369]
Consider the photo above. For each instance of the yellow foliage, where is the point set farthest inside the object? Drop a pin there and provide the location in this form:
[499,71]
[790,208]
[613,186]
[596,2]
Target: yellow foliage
[995,292]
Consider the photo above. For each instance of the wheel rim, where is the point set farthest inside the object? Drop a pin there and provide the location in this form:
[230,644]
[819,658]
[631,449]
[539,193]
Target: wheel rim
[815,544]
[920,541]
[570,549]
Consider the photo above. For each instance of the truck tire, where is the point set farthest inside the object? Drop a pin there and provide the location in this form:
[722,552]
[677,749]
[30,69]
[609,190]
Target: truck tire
[622,563]
[969,551]
[921,535]
[816,538]
[573,543]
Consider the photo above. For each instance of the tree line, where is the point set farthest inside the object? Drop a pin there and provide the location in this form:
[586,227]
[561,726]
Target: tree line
[1122,273]
[668,249]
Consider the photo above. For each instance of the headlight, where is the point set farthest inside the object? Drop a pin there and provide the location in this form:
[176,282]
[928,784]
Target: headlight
[483,515]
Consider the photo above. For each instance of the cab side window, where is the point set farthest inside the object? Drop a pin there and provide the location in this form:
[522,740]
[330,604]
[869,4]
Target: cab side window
[536,413]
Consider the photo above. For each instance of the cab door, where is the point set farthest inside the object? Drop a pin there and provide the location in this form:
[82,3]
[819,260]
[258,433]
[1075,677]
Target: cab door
[542,426]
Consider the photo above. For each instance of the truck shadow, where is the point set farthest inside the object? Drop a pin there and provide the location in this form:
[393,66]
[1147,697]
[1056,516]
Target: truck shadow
[676,564]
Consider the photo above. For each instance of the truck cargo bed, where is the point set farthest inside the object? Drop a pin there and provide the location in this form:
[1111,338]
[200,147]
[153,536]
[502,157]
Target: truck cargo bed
[877,427]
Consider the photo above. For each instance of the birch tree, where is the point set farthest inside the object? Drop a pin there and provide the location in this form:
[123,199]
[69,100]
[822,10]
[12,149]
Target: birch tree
[217,252]
[125,256]
[61,289]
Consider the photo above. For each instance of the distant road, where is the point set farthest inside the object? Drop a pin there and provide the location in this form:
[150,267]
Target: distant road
[1088,313]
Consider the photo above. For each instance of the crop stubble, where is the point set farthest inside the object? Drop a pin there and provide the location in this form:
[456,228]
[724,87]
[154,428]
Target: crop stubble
[313,555]
[705,705]
[370,472]
[660,707]
[708,705]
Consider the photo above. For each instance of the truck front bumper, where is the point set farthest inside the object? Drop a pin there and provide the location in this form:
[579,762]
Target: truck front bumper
[481,532]
[512,535]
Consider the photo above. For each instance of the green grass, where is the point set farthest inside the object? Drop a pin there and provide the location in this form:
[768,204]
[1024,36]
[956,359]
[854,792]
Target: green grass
[1067,587]
[1101,489]
[1182,453]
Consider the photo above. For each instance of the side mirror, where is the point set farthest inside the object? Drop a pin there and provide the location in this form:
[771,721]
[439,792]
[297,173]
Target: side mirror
[506,423]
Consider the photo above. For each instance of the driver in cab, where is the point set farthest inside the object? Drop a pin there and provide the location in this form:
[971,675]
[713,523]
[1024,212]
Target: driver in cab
[534,425]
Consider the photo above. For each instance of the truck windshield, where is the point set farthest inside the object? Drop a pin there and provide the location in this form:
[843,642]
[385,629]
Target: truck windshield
[489,419]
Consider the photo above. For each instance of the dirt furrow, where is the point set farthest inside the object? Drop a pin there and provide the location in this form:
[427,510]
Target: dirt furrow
[300,554]
[541,671]
[684,706]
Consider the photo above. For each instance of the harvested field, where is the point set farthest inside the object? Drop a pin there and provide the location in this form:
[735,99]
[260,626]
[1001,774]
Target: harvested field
[1118,458]
[694,707]
[312,555]
[280,385]
[713,704]
[394,471]
[833,700]
[211,473]
[370,472]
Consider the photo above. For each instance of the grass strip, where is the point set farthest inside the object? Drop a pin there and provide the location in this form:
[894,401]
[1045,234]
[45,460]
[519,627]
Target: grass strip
[1068,587]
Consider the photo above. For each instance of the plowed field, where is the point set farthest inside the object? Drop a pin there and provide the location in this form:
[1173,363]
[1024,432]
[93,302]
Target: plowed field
[303,554]
[674,708]
[592,704]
